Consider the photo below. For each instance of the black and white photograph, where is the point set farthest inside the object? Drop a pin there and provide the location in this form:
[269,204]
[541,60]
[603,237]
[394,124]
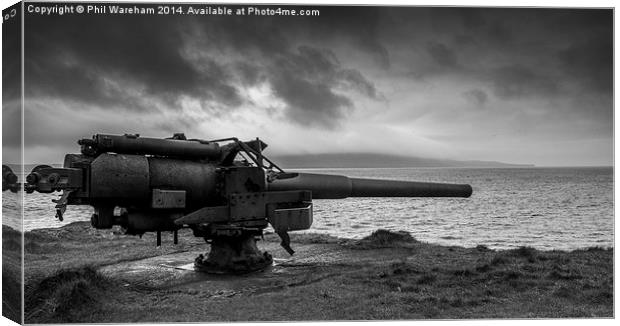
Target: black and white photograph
[171,162]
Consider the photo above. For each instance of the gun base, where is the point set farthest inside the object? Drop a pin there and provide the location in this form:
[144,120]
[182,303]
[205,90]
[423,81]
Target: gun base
[237,255]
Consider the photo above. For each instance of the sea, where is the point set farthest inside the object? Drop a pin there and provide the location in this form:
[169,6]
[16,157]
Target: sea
[563,208]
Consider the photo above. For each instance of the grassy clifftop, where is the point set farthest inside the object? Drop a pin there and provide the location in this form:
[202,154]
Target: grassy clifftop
[77,274]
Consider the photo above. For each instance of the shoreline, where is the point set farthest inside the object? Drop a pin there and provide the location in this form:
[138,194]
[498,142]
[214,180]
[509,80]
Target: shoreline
[79,274]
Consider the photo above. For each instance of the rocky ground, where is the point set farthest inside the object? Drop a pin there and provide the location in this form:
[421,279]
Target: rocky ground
[79,274]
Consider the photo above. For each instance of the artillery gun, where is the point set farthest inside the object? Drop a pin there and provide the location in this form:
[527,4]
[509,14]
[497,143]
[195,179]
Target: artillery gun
[224,190]
[9,179]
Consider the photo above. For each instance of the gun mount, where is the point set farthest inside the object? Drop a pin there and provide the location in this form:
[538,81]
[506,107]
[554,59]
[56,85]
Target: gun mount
[154,185]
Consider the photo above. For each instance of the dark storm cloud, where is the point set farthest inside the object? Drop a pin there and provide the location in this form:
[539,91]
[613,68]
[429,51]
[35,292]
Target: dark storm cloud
[590,62]
[476,96]
[250,74]
[166,58]
[359,26]
[519,53]
[354,79]
[537,70]
[311,81]
[310,102]
[66,61]
[304,83]
[148,50]
[499,33]
[472,18]
[307,79]
[588,59]
[515,81]
[443,55]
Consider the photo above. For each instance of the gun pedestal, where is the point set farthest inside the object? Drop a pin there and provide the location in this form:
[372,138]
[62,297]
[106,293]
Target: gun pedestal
[233,255]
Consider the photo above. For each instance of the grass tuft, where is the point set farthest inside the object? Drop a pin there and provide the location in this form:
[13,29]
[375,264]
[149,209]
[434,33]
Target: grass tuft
[563,274]
[464,272]
[11,300]
[483,268]
[385,239]
[11,239]
[598,248]
[426,279]
[482,248]
[565,292]
[499,259]
[512,275]
[524,252]
[55,297]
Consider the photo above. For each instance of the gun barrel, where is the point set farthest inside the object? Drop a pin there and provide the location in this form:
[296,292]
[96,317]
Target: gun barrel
[324,186]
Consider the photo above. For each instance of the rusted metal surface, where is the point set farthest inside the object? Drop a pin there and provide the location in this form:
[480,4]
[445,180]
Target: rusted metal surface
[197,179]
[209,214]
[291,219]
[322,186]
[120,176]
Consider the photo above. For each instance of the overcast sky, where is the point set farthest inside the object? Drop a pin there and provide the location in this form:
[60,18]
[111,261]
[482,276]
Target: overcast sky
[512,85]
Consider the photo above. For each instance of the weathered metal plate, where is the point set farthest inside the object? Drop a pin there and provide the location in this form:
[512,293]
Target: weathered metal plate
[291,219]
[205,215]
[168,198]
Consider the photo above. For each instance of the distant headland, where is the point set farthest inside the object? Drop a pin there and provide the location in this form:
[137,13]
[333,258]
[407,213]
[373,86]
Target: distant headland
[373,160]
